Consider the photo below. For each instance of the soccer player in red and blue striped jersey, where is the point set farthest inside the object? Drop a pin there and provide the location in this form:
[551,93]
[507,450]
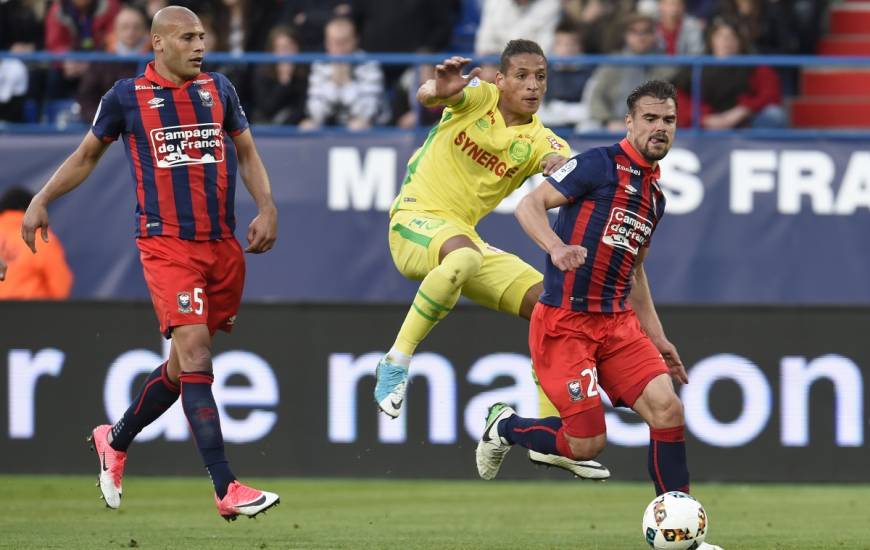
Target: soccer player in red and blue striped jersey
[186,137]
[596,323]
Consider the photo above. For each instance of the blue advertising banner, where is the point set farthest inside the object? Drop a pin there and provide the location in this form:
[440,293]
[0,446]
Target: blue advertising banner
[749,221]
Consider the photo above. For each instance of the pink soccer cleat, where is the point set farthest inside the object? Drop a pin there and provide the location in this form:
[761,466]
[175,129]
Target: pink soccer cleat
[243,500]
[111,466]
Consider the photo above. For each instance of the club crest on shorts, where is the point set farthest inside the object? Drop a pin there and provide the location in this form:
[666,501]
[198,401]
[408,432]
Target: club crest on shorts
[575,390]
[184,305]
[205,97]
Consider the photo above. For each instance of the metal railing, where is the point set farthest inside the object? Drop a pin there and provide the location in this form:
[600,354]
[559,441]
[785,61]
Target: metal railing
[696,63]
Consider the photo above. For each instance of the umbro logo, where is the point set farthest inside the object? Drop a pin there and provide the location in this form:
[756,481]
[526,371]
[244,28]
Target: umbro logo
[156,102]
[630,189]
[396,404]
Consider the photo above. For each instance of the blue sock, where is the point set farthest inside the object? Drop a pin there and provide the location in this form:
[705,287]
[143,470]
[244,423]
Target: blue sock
[537,434]
[202,415]
[666,459]
[155,397]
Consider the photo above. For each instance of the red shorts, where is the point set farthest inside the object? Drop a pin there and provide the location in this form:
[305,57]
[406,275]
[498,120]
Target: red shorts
[573,353]
[193,282]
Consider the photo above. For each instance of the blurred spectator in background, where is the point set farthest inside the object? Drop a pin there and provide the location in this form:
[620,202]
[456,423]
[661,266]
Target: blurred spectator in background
[309,18]
[130,36]
[678,32]
[732,96]
[20,32]
[505,20]
[43,276]
[344,94]
[611,84]
[280,89]
[404,26]
[563,105]
[409,111]
[600,22]
[76,25]
[768,25]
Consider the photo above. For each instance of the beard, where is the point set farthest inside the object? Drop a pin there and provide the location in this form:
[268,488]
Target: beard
[656,154]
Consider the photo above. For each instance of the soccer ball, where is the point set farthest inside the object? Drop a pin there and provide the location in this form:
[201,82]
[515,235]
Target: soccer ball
[675,521]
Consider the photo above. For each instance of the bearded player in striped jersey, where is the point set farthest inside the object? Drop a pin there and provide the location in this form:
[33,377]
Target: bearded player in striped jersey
[595,326]
[486,144]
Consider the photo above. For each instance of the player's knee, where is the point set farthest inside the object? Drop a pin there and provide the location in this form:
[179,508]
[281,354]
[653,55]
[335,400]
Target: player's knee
[461,265]
[587,448]
[196,359]
[667,412]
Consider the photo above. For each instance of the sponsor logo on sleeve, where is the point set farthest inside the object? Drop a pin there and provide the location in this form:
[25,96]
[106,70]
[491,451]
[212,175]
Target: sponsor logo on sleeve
[188,144]
[566,169]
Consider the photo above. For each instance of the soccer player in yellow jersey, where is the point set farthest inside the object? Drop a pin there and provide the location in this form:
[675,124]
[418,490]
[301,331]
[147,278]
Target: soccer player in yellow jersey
[487,143]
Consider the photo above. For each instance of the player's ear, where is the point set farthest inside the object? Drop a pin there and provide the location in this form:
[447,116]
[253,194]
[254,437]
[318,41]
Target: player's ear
[156,42]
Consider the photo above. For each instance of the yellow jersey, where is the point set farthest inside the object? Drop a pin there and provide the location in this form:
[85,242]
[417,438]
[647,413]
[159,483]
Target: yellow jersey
[470,160]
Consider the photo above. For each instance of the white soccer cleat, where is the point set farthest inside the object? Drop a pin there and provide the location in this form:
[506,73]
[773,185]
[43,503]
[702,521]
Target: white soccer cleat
[111,466]
[708,546]
[492,448]
[392,381]
[242,500]
[585,469]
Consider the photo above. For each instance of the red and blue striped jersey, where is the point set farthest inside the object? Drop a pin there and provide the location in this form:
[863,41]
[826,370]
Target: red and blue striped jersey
[615,203]
[183,164]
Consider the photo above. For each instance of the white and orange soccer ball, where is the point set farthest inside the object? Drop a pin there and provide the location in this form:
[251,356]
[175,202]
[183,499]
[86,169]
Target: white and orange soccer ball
[675,521]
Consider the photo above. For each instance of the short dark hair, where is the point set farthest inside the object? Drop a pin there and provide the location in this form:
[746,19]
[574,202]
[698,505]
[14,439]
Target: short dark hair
[658,89]
[517,47]
[15,198]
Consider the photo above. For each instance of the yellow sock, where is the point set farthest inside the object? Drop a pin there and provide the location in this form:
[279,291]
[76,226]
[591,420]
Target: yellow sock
[437,295]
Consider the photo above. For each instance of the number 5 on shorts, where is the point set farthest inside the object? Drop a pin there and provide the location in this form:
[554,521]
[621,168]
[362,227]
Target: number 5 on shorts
[197,299]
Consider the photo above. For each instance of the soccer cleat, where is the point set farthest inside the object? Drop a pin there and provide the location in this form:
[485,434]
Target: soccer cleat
[492,447]
[585,469]
[708,546]
[392,381]
[242,500]
[111,465]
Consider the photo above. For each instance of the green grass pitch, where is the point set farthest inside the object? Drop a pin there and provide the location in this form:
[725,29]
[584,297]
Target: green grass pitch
[64,512]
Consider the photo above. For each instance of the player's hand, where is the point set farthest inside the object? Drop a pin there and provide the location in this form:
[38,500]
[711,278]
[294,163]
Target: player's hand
[448,76]
[551,163]
[35,218]
[568,257]
[673,361]
[263,231]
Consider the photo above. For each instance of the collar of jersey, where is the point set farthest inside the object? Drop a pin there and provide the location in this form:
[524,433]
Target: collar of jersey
[636,157]
[152,75]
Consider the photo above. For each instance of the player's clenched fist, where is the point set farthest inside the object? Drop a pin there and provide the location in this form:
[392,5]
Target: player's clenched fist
[568,257]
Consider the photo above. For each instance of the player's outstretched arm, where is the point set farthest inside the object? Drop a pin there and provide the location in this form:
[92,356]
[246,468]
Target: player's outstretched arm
[532,215]
[642,303]
[74,170]
[263,229]
[448,85]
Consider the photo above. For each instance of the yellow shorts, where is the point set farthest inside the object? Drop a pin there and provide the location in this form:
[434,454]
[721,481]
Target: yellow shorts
[416,239]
